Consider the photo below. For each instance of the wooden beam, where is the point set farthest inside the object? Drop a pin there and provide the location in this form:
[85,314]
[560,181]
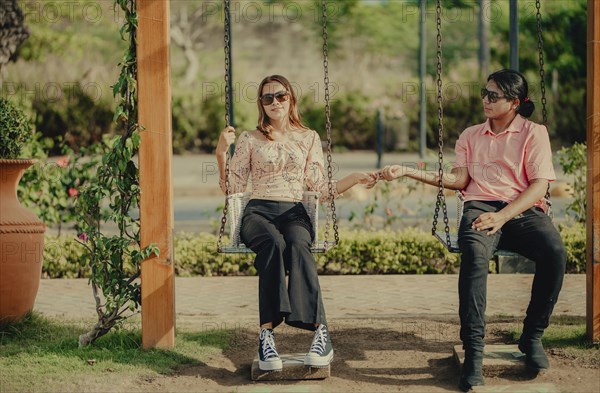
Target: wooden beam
[593,170]
[156,213]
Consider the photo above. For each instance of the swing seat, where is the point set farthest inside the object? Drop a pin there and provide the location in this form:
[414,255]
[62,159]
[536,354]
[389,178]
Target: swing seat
[453,246]
[237,204]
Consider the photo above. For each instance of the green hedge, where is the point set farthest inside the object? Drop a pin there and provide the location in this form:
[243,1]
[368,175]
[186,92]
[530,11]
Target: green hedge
[408,251]
[574,238]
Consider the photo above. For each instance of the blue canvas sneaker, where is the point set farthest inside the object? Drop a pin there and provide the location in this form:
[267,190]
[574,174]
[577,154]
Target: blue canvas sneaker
[268,358]
[321,351]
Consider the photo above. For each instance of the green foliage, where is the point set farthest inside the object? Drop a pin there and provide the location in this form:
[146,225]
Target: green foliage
[373,50]
[383,252]
[64,257]
[573,161]
[564,37]
[196,255]
[574,238]
[50,188]
[75,118]
[353,121]
[360,251]
[117,185]
[15,130]
[460,111]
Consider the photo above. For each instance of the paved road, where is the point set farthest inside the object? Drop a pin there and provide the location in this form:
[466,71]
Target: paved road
[197,197]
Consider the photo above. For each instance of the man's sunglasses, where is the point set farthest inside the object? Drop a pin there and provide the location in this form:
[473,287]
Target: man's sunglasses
[280,96]
[491,95]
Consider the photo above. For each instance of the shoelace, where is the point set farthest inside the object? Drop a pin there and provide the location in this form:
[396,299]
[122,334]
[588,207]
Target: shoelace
[268,344]
[319,341]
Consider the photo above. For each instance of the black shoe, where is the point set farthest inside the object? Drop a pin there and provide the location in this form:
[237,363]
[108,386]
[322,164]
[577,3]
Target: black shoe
[465,384]
[320,353]
[268,358]
[472,374]
[535,356]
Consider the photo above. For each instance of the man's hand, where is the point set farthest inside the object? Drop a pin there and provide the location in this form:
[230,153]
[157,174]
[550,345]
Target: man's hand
[491,221]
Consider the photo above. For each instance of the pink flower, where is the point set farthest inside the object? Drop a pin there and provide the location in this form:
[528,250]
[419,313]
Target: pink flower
[83,236]
[63,161]
[72,192]
[421,164]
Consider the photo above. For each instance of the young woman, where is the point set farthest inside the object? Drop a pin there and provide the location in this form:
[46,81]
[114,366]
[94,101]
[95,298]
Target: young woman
[283,158]
[503,167]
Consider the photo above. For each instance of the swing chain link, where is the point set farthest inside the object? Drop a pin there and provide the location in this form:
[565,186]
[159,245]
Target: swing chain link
[538,16]
[331,214]
[441,200]
[227,120]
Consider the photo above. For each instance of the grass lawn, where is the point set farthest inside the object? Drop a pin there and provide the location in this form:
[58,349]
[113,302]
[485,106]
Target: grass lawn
[566,337]
[42,355]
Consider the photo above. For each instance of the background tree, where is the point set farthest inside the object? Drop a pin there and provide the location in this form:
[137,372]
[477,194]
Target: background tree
[564,35]
[13,31]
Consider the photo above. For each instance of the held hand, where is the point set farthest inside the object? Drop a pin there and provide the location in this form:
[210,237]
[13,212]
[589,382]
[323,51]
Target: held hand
[491,221]
[391,172]
[226,139]
[369,179]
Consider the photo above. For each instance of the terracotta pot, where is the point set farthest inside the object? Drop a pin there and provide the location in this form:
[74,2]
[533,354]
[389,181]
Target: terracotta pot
[21,246]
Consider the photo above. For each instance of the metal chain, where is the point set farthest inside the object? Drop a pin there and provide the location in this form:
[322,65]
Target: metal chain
[227,120]
[441,199]
[331,215]
[538,16]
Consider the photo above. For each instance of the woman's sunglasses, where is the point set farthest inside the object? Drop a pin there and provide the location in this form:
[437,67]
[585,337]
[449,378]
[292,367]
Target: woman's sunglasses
[280,96]
[491,95]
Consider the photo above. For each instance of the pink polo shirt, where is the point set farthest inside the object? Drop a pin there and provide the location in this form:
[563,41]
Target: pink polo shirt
[502,166]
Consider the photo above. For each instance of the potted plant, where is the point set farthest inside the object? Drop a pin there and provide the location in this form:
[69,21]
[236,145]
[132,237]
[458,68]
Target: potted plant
[21,231]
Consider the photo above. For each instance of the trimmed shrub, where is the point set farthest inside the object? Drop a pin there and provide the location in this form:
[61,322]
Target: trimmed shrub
[574,238]
[15,130]
[408,251]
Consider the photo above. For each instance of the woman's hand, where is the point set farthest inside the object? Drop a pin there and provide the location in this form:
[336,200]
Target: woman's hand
[391,172]
[491,221]
[225,140]
[369,179]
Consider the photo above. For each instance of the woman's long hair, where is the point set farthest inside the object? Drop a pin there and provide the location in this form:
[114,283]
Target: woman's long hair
[264,123]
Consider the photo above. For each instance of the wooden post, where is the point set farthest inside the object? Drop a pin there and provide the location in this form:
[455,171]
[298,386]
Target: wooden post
[593,170]
[156,215]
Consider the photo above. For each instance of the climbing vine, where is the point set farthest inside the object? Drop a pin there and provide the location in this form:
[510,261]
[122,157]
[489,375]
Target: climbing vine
[112,238]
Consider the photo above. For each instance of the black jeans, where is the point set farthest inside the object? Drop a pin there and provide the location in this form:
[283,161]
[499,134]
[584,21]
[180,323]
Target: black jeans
[530,234]
[280,233]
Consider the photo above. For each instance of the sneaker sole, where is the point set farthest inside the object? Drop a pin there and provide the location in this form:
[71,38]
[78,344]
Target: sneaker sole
[319,362]
[270,366]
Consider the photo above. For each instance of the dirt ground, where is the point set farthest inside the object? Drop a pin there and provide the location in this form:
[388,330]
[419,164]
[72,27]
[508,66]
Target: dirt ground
[408,355]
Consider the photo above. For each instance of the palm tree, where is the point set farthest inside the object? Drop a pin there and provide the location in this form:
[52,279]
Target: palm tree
[13,31]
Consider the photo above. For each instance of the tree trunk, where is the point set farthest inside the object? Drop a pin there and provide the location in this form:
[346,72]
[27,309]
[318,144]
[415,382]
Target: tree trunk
[12,30]
[102,327]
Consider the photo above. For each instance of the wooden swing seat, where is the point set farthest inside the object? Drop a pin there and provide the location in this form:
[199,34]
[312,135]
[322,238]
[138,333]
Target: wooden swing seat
[237,204]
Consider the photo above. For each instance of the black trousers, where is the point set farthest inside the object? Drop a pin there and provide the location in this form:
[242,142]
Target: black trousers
[280,233]
[530,234]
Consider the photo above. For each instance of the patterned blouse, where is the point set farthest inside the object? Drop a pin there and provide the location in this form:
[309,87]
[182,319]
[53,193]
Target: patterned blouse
[279,171]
